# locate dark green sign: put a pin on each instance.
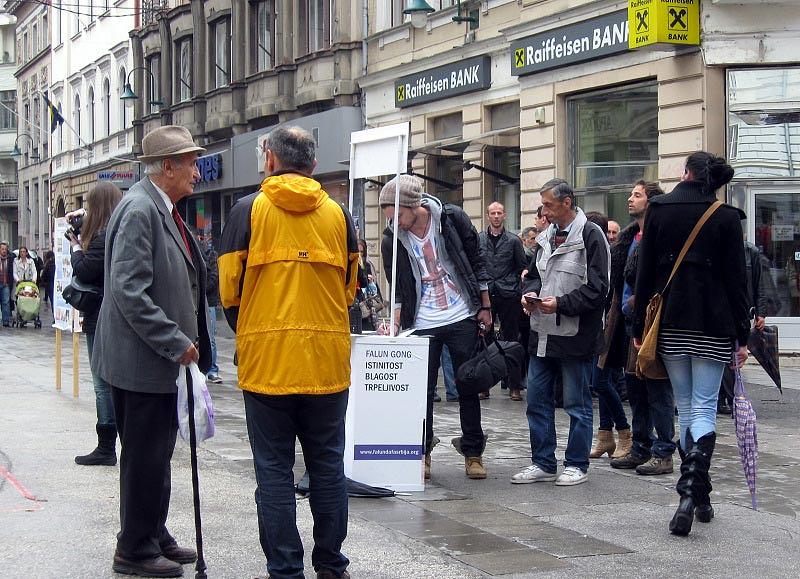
(579, 42)
(444, 81)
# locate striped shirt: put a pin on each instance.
(677, 342)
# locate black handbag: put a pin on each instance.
(83, 297)
(490, 364)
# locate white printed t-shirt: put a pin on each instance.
(441, 302)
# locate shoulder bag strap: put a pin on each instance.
(692, 236)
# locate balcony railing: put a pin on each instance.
(151, 9)
(9, 193)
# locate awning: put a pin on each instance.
(507, 139)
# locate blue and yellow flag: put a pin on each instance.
(55, 116)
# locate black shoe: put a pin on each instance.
(98, 457)
(452, 398)
(681, 523)
(723, 407)
(704, 513)
(182, 555)
(329, 574)
(436, 397)
(106, 452)
(629, 461)
(153, 567)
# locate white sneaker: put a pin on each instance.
(532, 474)
(572, 475)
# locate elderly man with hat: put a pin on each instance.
(152, 324)
(442, 292)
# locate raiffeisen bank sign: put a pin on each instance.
(579, 42)
(445, 81)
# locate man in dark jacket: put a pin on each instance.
(566, 289)
(212, 297)
(6, 282)
(442, 291)
(652, 401)
(505, 260)
(760, 304)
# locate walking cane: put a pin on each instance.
(200, 566)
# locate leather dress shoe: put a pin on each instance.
(182, 555)
(152, 567)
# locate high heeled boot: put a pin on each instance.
(703, 509)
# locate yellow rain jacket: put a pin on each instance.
(287, 276)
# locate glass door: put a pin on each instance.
(773, 226)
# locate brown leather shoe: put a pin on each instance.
(153, 567)
(515, 395)
(182, 555)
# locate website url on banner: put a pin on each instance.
(387, 452)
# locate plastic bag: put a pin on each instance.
(203, 408)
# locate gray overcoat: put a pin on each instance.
(154, 305)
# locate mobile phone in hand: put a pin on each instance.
(532, 299)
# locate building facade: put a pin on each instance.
(91, 61)
(230, 71)
(538, 89)
(32, 140)
(9, 193)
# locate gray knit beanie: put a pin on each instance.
(410, 192)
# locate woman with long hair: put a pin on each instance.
(88, 258)
(704, 317)
(24, 267)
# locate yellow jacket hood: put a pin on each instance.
(294, 193)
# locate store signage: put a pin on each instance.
(210, 168)
(663, 22)
(122, 179)
(587, 40)
(462, 77)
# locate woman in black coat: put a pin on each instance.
(704, 320)
(88, 258)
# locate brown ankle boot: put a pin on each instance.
(605, 444)
(625, 443)
(474, 467)
(427, 467)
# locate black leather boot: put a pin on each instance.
(106, 452)
(681, 523)
(704, 511)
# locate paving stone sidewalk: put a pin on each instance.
(614, 525)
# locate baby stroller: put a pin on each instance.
(28, 302)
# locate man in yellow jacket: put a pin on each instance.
(287, 272)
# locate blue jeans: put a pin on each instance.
(652, 409)
(609, 404)
(212, 331)
(542, 374)
(273, 425)
(696, 383)
(448, 373)
(5, 302)
(102, 392)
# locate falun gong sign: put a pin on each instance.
(663, 22)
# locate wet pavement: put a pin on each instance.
(614, 525)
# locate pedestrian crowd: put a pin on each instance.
(575, 288)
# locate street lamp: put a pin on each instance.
(419, 10)
(129, 95)
(472, 17)
(17, 153)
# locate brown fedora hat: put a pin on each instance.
(168, 141)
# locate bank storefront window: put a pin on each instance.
(613, 138)
(764, 150)
(448, 162)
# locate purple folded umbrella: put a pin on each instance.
(744, 418)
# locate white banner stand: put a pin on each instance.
(385, 426)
